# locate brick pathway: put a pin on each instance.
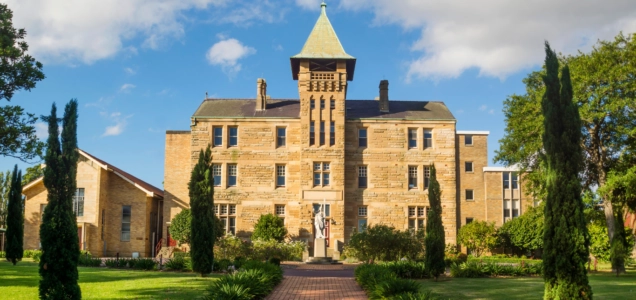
(318, 282)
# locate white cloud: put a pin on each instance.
(483, 107)
(118, 127)
(84, 31)
(126, 87)
(227, 53)
(41, 130)
(130, 71)
(492, 111)
(497, 37)
(309, 4)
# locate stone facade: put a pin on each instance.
(106, 191)
(374, 154)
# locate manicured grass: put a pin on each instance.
(605, 285)
(21, 282)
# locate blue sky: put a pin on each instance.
(141, 67)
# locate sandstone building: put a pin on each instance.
(116, 212)
(367, 160)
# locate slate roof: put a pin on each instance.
(356, 109)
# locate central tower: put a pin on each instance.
(323, 69)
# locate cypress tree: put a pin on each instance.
(434, 240)
(15, 219)
(201, 188)
(58, 232)
(566, 240)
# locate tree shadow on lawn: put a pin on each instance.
(605, 285)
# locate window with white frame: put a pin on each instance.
(362, 176)
(515, 180)
(126, 216)
(280, 210)
(321, 173)
(412, 138)
(318, 206)
(280, 175)
(281, 137)
(217, 173)
(428, 138)
(78, 202)
(511, 209)
(506, 180)
(227, 215)
(232, 174)
(412, 177)
(218, 136)
(417, 217)
(233, 136)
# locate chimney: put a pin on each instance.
(384, 96)
(261, 94)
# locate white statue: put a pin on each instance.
(319, 223)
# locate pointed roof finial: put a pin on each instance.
(323, 5)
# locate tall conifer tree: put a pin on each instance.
(202, 206)
(566, 240)
(58, 232)
(15, 219)
(434, 240)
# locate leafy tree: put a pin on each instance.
(58, 232)
(524, 233)
(5, 186)
(478, 236)
(181, 224)
(201, 188)
(269, 226)
(566, 240)
(604, 90)
(32, 174)
(15, 220)
(600, 246)
(18, 70)
(435, 240)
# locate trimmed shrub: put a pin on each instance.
(88, 261)
(269, 227)
(254, 280)
(380, 282)
(177, 263)
(36, 256)
(2, 254)
(407, 269)
(455, 258)
(142, 264)
(474, 269)
(221, 265)
(391, 287)
(29, 253)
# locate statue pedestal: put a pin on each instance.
(320, 248)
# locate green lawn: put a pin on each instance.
(21, 282)
(605, 285)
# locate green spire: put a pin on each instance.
(323, 41)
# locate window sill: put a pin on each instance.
(470, 200)
(466, 145)
(470, 172)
